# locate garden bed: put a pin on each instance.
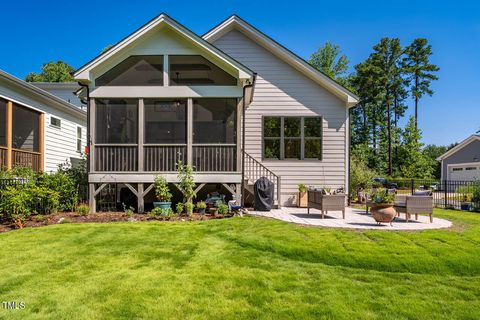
(35, 221)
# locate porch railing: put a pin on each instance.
(163, 158)
(3, 157)
(113, 158)
(22, 158)
(214, 158)
(254, 170)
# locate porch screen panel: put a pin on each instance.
(3, 123)
(165, 121)
(25, 129)
(196, 70)
(214, 121)
(134, 71)
(116, 121)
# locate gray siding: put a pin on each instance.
(466, 154)
(283, 91)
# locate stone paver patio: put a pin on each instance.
(354, 219)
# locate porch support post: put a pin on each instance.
(91, 143)
(141, 132)
(166, 78)
(239, 151)
(233, 192)
(238, 193)
(41, 131)
(9, 134)
(92, 203)
(189, 130)
(140, 199)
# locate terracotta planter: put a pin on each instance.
(383, 213)
(302, 199)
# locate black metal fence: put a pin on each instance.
(449, 194)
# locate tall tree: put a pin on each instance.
(421, 71)
(52, 72)
(330, 60)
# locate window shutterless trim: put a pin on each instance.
(59, 126)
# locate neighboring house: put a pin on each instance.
(462, 162)
(64, 90)
(37, 129)
(165, 94)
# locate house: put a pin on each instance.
(38, 129)
(64, 90)
(462, 162)
(233, 103)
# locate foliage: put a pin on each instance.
(129, 211)
(222, 209)
(189, 208)
(361, 176)
(302, 187)
(18, 172)
(64, 186)
(78, 173)
(179, 208)
(201, 205)
(164, 213)
(41, 199)
(162, 191)
(52, 72)
(330, 60)
(186, 184)
(383, 196)
(83, 209)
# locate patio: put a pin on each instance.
(354, 219)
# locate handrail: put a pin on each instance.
(254, 170)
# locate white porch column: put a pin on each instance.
(189, 130)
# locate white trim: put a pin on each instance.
(477, 164)
(167, 92)
(235, 22)
(23, 104)
(459, 146)
(83, 73)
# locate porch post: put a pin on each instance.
(92, 203)
(140, 199)
(9, 134)
(189, 130)
(41, 131)
(91, 150)
(141, 132)
(239, 150)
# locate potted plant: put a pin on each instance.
(201, 206)
(382, 208)
(302, 196)
(163, 194)
(223, 209)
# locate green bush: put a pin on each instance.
(41, 200)
(222, 209)
(83, 209)
(361, 177)
(64, 185)
(162, 191)
(163, 213)
(179, 208)
(189, 208)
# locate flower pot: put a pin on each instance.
(162, 205)
(383, 213)
(466, 206)
(201, 210)
(302, 199)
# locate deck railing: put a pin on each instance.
(115, 158)
(214, 158)
(3, 157)
(22, 158)
(163, 158)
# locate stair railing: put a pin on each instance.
(254, 170)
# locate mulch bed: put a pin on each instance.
(101, 217)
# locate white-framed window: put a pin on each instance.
(470, 168)
(457, 169)
(55, 122)
(79, 139)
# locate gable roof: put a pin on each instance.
(82, 72)
(235, 22)
(464, 143)
(47, 97)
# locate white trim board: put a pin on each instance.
(459, 146)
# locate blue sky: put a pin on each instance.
(75, 31)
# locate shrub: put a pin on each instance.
(14, 205)
(222, 209)
(64, 186)
(41, 200)
(189, 208)
(361, 177)
(83, 209)
(163, 213)
(162, 191)
(201, 205)
(78, 173)
(179, 208)
(156, 211)
(129, 211)
(186, 185)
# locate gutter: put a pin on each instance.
(88, 123)
(244, 107)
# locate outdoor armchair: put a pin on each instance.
(326, 202)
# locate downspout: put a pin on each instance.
(88, 123)
(244, 107)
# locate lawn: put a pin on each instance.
(241, 268)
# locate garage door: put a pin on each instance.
(463, 172)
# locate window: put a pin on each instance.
(3, 122)
(214, 121)
(55, 122)
(292, 138)
(79, 139)
(470, 168)
(165, 121)
(25, 129)
(457, 169)
(134, 71)
(196, 70)
(116, 121)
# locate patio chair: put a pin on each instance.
(416, 204)
(326, 202)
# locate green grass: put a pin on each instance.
(242, 268)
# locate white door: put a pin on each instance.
(463, 172)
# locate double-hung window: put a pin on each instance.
(288, 138)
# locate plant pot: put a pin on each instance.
(162, 205)
(383, 213)
(466, 206)
(201, 210)
(213, 211)
(302, 199)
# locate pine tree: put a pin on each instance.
(421, 71)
